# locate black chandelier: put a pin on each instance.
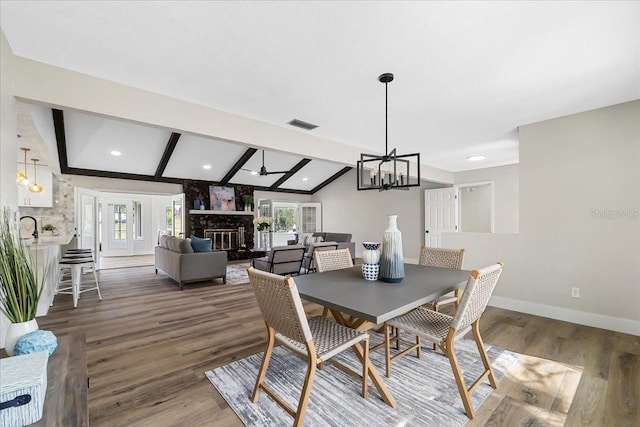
(390, 171)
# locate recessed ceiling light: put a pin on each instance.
(305, 179)
(116, 153)
(476, 158)
(254, 173)
(206, 167)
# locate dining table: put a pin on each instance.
(364, 304)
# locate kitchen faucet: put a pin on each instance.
(35, 225)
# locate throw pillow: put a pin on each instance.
(200, 245)
(185, 246)
(163, 241)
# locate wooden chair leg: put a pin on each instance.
(325, 312)
(387, 350)
(365, 369)
(265, 363)
(397, 334)
(475, 327)
(462, 388)
(306, 391)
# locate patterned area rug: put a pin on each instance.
(237, 274)
(424, 389)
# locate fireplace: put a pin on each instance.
(225, 238)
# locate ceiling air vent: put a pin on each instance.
(303, 125)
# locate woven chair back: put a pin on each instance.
(442, 257)
(332, 260)
(476, 296)
(280, 304)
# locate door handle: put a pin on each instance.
(426, 231)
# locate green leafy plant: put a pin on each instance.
(20, 288)
(247, 199)
(48, 227)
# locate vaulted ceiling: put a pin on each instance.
(467, 75)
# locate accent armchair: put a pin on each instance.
(281, 260)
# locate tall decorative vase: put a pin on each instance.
(17, 331)
(391, 258)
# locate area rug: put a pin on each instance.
(424, 389)
(237, 274)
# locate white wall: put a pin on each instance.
(364, 213)
(124, 185)
(8, 129)
(579, 222)
(505, 192)
(8, 144)
(474, 207)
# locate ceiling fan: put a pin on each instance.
(263, 169)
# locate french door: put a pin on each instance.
(117, 227)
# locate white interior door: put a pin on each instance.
(178, 215)
(87, 221)
(117, 227)
(439, 215)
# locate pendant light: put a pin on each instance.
(22, 177)
(34, 187)
(390, 171)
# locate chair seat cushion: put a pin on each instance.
(431, 325)
(262, 263)
(329, 338)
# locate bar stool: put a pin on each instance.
(75, 262)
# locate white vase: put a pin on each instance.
(17, 331)
(391, 258)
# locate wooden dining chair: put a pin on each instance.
(445, 330)
(332, 260)
(316, 340)
(443, 258)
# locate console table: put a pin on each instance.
(66, 401)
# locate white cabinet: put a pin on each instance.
(44, 178)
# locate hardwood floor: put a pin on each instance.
(149, 344)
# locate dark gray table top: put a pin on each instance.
(377, 301)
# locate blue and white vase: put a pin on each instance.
(391, 258)
(370, 259)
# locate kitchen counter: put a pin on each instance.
(48, 240)
(46, 252)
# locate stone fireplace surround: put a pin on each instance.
(197, 224)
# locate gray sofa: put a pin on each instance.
(176, 258)
(342, 239)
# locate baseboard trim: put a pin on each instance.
(617, 324)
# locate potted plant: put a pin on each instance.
(49, 228)
(247, 199)
(20, 286)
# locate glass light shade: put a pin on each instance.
(35, 188)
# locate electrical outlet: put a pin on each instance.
(575, 292)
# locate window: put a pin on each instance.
(119, 222)
(284, 218)
(168, 218)
(137, 220)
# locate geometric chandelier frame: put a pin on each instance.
(389, 171)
